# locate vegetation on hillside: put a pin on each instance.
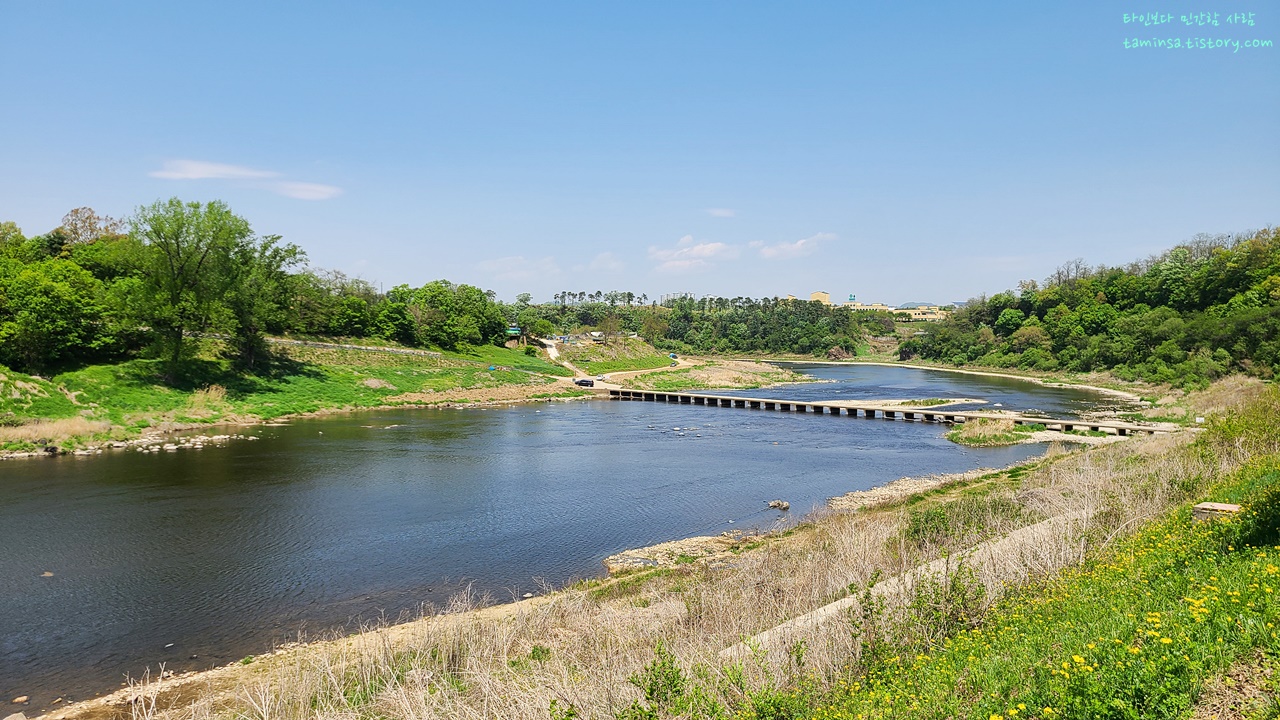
(616, 355)
(101, 290)
(118, 400)
(1202, 310)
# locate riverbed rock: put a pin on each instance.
(16, 716)
(780, 504)
(20, 699)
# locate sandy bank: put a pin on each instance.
(1133, 397)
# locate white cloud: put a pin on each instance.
(200, 170)
(690, 255)
(721, 212)
(518, 267)
(304, 190)
(799, 248)
(605, 262)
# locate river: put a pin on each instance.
(197, 558)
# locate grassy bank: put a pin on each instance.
(991, 432)
(121, 400)
(716, 374)
(617, 355)
(1094, 543)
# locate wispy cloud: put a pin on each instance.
(721, 212)
(788, 250)
(253, 177)
(304, 190)
(689, 255)
(518, 267)
(201, 170)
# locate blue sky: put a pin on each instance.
(904, 151)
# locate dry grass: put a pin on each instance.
(53, 432)
(1225, 396)
(579, 647)
(1247, 690)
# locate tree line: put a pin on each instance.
(99, 289)
(1199, 311)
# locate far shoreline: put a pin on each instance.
(1133, 397)
(173, 431)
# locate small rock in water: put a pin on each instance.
(20, 699)
(166, 647)
(46, 573)
(526, 596)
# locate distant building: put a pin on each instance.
(669, 298)
(820, 296)
(928, 313)
(869, 307)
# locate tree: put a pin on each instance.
(83, 226)
(653, 328)
(51, 313)
(188, 268)
(258, 293)
(609, 325)
(1009, 321)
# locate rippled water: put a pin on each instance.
(220, 552)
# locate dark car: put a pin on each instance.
(585, 382)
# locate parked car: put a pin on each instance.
(585, 382)
(600, 378)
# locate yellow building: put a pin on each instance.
(880, 307)
(927, 312)
(820, 296)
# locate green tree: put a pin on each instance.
(1009, 321)
(51, 313)
(259, 293)
(188, 267)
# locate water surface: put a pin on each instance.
(218, 553)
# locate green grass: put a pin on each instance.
(618, 355)
(985, 432)
(595, 367)
(516, 359)
(23, 396)
(1134, 632)
(132, 395)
